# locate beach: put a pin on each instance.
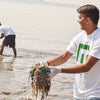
(43, 28)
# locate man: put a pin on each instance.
(9, 40)
(87, 46)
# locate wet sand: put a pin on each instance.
(14, 73)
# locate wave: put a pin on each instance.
(43, 2)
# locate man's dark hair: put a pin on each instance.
(90, 11)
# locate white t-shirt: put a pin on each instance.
(6, 30)
(86, 84)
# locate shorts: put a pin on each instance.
(9, 41)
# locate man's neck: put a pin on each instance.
(91, 30)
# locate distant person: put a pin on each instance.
(9, 40)
(87, 47)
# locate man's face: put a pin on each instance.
(82, 20)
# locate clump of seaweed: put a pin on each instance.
(41, 81)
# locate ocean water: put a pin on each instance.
(14, 73)
(43, 31)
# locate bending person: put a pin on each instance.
(9, 40)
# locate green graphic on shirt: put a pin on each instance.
(82, 46)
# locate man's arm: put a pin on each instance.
(60, 59)
(2, 35)
(91, 61)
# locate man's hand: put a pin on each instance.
(54, 71)
(2, 35)
(44, 63)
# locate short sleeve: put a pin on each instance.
(1, 30)
(95, 51)
(72, 47)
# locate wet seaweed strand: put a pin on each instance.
(40, 81)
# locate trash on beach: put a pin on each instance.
(41, 81)
(6, 92)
